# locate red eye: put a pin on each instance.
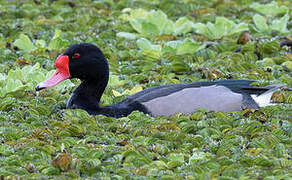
(76, 55)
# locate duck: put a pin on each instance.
(87, 62)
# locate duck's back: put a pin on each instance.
(224, 95)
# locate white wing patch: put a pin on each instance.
(265, 99)
(215, 98)
(262, 100)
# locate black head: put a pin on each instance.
(84, 61)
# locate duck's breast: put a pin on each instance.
(216, 98)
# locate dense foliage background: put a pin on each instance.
(147, 43)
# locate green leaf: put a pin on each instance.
(159, 164)
(137, 13)
(222, 27)
(188, 47)
(213, 165)
(280, 24)
(15, 74)
(201, 28)
(288, 65)
(183, 25)
(51, 171)
(114, 81)
(6, 173)
(179, 66)
(144, 44)
(137, 24)
(241, 27)
(159, 19)
(176, 157)
(57, 42)
(6, 150)
(197, 156)
(151, 23)
(127, 35)
(173, 164)
(271, 9)
(260, 22)
(13, 85)
(2, 79)
(167, 28)
(5, 103)
(150, 29)
(57, 33)
(93, 162)
(24, 43)
(40, 43)
(171, 46)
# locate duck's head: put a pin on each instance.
(83, 61)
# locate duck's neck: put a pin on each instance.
(87, 95)
(92, 89)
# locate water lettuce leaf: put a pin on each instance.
(189, 46)
(20, 80)
(127, 35)
(179, 47)
(134, 90)
(197, 156)
(222, 27)
(271, 9)
(183, 25)
(280, 25)
(24, 43)
(156, 22)
(57, 42)
(262, 24)
(146, 45)
(148, 49)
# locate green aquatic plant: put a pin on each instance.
(25, 44)
(266, 26)
(153, 23)
(177, 47)
(272, 9)
(147, 43)
(222, 27)
(23, 79)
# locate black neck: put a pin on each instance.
(92, 89)
(87, 95)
